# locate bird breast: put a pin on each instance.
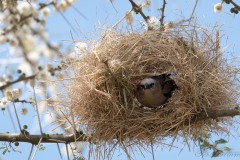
(151, 97)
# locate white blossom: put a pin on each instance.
(59, 76)
(81, 48)
(153, 23)
(72, 1)
(49, 118)
(147, 4)
(32, 83)
(45, 12)
(218, 7)
(29, 43)
(4, 101)
(26, 68)
(3, 39)
(13, 41)
(2, 81)
(4, 15)
(169, 26)
(8, 95)
(24, 8)
(34, 56)
(24, 111)
(64, 5)
(16, 93)
(2, 106)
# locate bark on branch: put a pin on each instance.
(216, 114)
(34, 139)
(21, 78)
(235, 4)
(60, 138)
(162, 16)
(138, 9)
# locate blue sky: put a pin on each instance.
(98, 13)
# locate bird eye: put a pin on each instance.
(152, 85)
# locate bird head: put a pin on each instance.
(156, 90)
(148, 83)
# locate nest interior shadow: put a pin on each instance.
(103, 93)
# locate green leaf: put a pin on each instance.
(216, 153)
(220, 141)
(227, 149)
(5, 151)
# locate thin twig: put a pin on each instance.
(74, 127)
(81, 14)
(138, 9)
(116, 24)
(30, 152)
(22, 101)
(15, 110)
(68, 22)
(126, 151)
(194, 8)
(201, 150)
(235, 4)
(152, 150)
(38, 115)
(67, 151)
(59, 151)
(111, 1)
(65, 116)
(11, 118)
(162, 16)
(37, 148)
(21, 78)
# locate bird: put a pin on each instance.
(156, 90)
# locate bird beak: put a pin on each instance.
(143, 86)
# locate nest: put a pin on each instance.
(102, 94)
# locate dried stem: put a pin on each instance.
(194, 8)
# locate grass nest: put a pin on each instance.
(102, 92)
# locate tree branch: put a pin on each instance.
(162, 16)
(216, 114)
(22, 101)
(138, 9)
(24, 18)
(34, 139)
(21, 78)
(235, 4)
